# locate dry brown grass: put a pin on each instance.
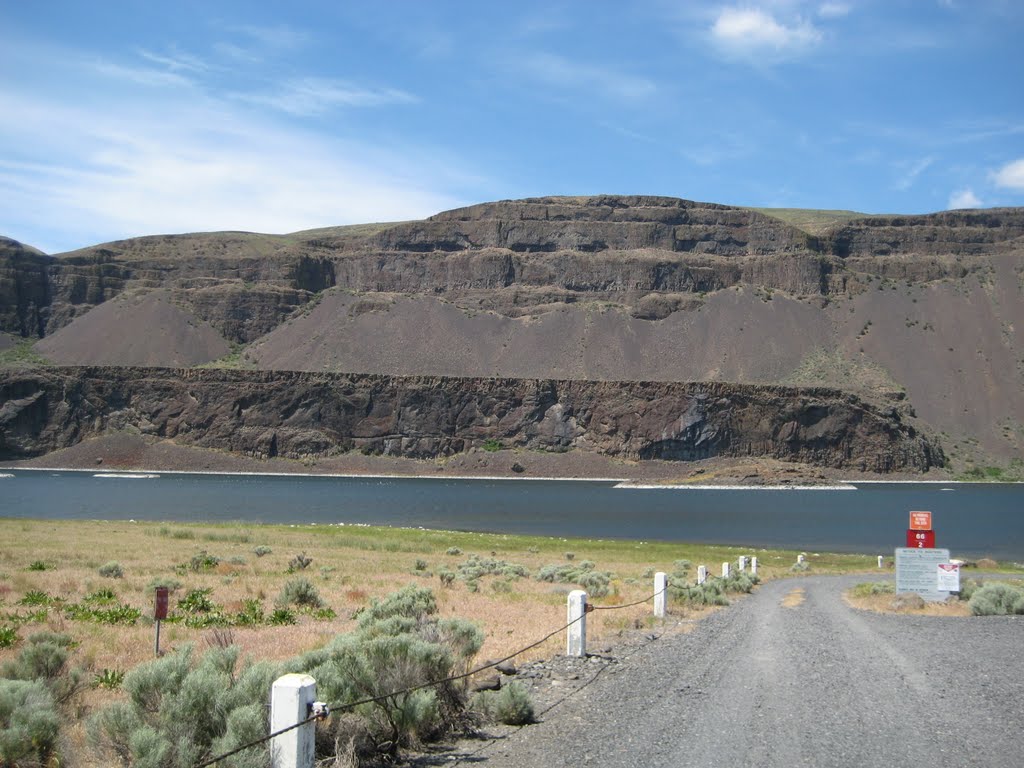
(884, 604)
(350, 567)
(794, 598)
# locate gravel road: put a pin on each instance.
(765, 684)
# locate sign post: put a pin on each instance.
(159, 613)
(917, 571)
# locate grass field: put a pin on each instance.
(51, 578)
(349, 566)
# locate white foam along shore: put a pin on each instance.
(695, 487)
(345, 475)
(128, 475)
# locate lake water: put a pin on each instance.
(972, 520)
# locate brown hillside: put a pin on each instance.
(135, 330)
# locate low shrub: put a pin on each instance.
(870, 588)
(44, 659)
(36, 597)
(399, 643)
(203, 561)
(997, 599)
(800, 567)
(29, 724)
(111, 570)
(180, 711)
(476, 567)
(454, 551)
(262, 550)
(300, 592)
(8, 637)
(596, 583)
(711, 592)
(511, 705)
(299, 563)
(110, 679)
(38, 565)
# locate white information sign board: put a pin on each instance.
(917, 571)
(948, 577)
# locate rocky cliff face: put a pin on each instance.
(604, 248)
(302, 415)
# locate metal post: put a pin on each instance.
(576, 642)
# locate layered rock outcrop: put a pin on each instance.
(301, 415)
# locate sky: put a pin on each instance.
(124, 118)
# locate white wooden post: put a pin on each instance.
(725, 570)
(742, 563)
(880, 561)
(660, 587)
(576, 643)
(702, 574)
(290, 699)
(799, 558)
(753, 566)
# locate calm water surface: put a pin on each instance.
(970, 519)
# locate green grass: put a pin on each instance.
(22, 354)
(810, 220)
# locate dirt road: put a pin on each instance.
(793, 676)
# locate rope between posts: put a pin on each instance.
(374, 699)
(421, 686)
(630, 605)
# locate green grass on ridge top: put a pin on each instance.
(810, 220)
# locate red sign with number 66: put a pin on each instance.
(920, 539)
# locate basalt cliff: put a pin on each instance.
(910, 321)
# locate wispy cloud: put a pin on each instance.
(147, 76)
(753, 33)
(560, 72)
(963, 198)
(314, 96)
(177, 163)
(910, 173)
(175, 61)
(279, 36)
(1010, 176)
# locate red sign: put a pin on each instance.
(921, 539)
(160, 611)
(920, 521)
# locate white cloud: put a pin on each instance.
(86, 173)
(963, 198)
(754, 33)
(1011, 176)
(314, 96)
(561, 72)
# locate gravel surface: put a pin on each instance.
(765, 684)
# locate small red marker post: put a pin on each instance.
(159, 613)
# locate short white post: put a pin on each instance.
(290, 699)
(880, 561)
(799, 558)
(725, 570)
(702, 574)
(753, 566)
(742, 563)
(660, 588)
(576, 643)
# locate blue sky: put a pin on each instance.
(123, 118)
